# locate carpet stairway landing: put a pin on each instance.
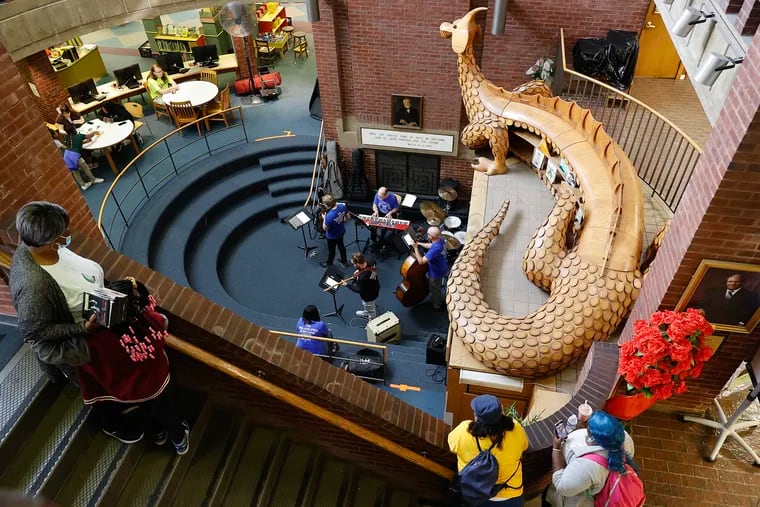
(51, 448)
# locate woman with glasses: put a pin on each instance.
(159, 84)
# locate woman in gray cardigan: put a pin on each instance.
(46, 280)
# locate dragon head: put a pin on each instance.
(463, 31)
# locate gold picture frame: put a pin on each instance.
(708, 291)
(406, 115)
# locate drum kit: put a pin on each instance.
(436, 217)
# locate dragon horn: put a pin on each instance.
(468, 17)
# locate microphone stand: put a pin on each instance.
(356, 240)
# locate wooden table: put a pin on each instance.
(279, 44)
(227, 63)
(198, 93)
(110, 134)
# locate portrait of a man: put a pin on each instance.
(407, 111)
(728, 294)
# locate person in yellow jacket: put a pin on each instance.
(491, 426)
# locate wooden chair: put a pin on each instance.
(266, 54)
(136, 110)
(209, 75)
(184, 113)
(288, 31)
(300, 46)
(158, 108)
(216, 108)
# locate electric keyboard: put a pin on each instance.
(385, 223)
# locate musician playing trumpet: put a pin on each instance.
(335, 217)
(435, 260)
(366, 283)
(385, 204)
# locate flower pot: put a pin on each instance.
(628, 406)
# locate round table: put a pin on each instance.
(110, 135)
(197, 92)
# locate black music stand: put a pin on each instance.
(358, 222)
(328, 283)
(297, 221)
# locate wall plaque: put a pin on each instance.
(442, 144)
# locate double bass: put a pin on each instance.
(414, 288)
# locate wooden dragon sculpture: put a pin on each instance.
(593, 286)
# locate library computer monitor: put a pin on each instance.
(130, 76)
(170, 62)
(83, 92)
(205, 54)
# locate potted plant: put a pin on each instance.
(543, 69)
(665, 351)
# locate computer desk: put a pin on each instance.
(227, 63)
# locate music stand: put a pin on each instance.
(356, 240)
(297, 221)
(329, 283)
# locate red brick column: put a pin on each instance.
(242, 71)
(729, 6)
(37, 69)
(748, 18)
(718, 218)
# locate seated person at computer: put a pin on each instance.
(159, 84)
(385, 204)
(114, 111)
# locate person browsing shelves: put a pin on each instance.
(335, 216)
(159, 84)
(435, 260)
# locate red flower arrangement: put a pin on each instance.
(664, 352)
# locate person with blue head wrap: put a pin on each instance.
(575, 481)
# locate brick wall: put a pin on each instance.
(368, 50)
(240, 54)
(718, 218)
(730, 6)
(37, 69)
(748, 18)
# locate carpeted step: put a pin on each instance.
(163, 202)
(208, 463)
(271, 161)
(291, 185)
(194, 217)
(21, 383)
(42, 440)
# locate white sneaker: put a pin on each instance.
(86, 186)
(362, 314)
(98, 180)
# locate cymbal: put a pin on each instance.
(447, 193)
(452, 243)
(433, 221)
(432, 210)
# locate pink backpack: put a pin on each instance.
(619, 490)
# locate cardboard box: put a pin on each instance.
(384, 328)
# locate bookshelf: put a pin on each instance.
(176, 44)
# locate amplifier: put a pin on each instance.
(436, 350)
(384, 328)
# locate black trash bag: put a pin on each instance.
(590, 57)
(623, 50)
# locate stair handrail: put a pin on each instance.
(670, 198)
(339, 341)
(317, 157)
(307, 406)
(109, 193)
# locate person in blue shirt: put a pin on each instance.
(386, 204)
(435, 260)
(334, 226)
(311, 324)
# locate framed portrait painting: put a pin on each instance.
(728, 293)
(406, 111)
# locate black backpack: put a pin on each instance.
(476, 482)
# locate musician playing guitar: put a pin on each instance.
(385, 204)
(335, 216)
(435, 260)
(366, 284)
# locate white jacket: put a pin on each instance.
(581, 479)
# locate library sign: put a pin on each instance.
(422, 142)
